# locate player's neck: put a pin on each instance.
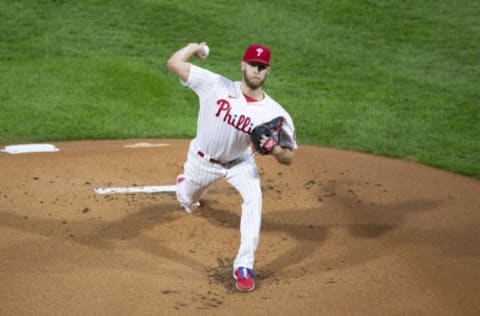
(252, 95)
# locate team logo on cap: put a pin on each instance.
(257, 53)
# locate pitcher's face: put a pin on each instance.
(254, 74)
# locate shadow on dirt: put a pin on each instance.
(310, 229)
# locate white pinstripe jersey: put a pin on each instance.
(226, 119)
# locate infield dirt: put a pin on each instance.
(343, 233)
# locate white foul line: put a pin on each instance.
(139, 189)
(145, 145)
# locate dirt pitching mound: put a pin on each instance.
(343, 234)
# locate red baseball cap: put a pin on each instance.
(257, 53)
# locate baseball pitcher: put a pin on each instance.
(235, 119)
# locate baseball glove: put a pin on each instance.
(272, 130)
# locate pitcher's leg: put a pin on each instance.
(194, 183)
(246, 180)
(186, 192)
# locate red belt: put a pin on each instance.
(225, 164)
(201, 154)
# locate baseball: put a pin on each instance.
(205, 51)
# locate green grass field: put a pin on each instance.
(395, 78)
